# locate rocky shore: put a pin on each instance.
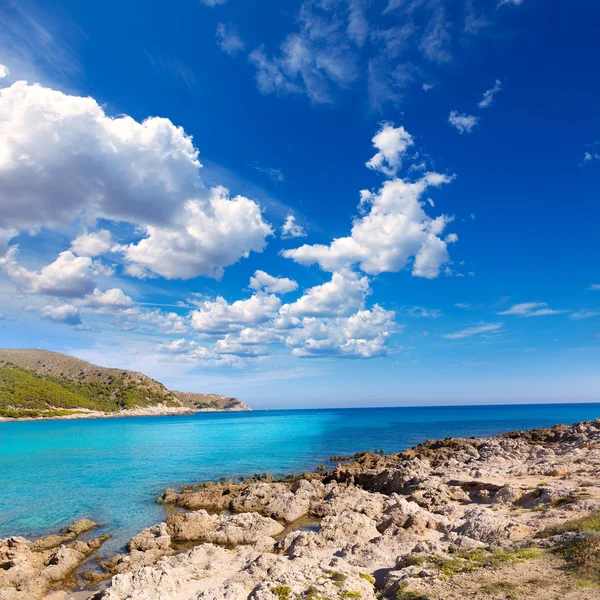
(147, 411)
(512, 517)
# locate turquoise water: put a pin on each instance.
(112, 470)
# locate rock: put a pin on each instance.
(506, 495)
(67, 534)
(279, 501)
(153, 538)
(348, 526)
(244, 528)
(351, 498)
(30, 568)
(483, 525)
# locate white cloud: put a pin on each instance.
(464, 123)
(92, 244)
(291, 229)
(320, 57)
(341, 296)
(169, 323)
(230, 345)
(272, 285)
(69, 276)
(488, 96)
(531, 309)
(207, 238)
(4, 71)
(61, 156)
(229, 40)
(218, 316)
(362, 335)
(190, 351)
(421, 311)
(464, 305)
(583, 314)
(594, 286)
(437, 39)
(67, 314)
(427, 86)
(391, 143)
(273, 174)
(111, 299)
(513, 2)
(590, 157)
(482, 328)
(395, 230)
(213, 3)
(5, 236)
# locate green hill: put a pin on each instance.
(39, 383)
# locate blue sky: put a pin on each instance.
(307, 203)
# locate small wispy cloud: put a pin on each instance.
(213, 3)
(513, 2)
(531, 309)
(229, 40)
(273, 174)
(583, 314)
(464, 123)
(421, 311)
(463, 305)
(174, 69)
(594, 286)
(479, 329)
(591, 155)
(488, 96)
(4, 71)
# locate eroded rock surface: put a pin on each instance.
(29, 569)
(378, 526)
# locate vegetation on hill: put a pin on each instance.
(209, 401)
(25, 393)
(39, 383)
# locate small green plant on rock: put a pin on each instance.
(465, 562)
(350, 594)
(282, 592)
(337, 577)
(508, 589)
(403, 594)
(412, 560)
(582, 554)
(368, 577)
(312, 593)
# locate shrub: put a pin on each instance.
(282, 592)
(582, 553)
(403, 594)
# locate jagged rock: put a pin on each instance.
(244, 528)
(351, 498)
(507, 495)
(67, 534)
(483, 525)
(349, 525)
(30, 568)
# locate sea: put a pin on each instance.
(113, 470)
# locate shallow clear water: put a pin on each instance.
(112, 470)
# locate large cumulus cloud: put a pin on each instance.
(62, 156)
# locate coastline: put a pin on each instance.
(446, 519)
(151, 411)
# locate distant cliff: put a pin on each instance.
(42, 384)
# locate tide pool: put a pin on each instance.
(112, 470)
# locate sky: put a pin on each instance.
(308, 203)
